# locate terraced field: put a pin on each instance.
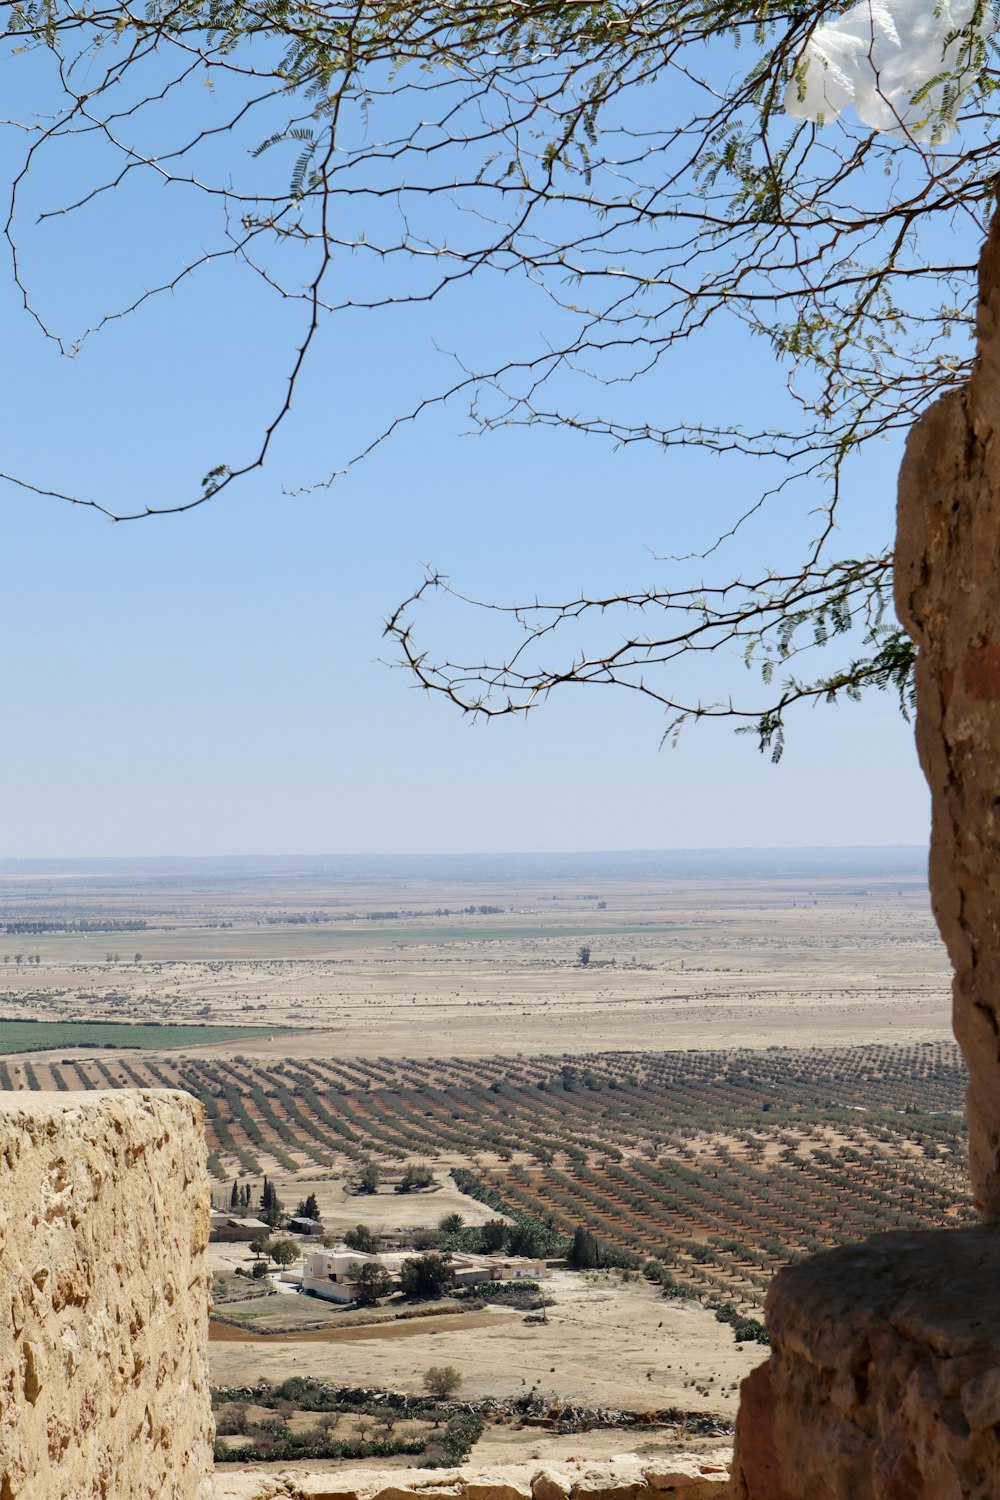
(717, 1165)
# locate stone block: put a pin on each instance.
(497, 1484)
(409, 1487)
(550, 1483)
(618, 1479)
(756, 1469)
(322, 1487)
(947, 588)
(104, 1293)
(884, 1377)
(687, 1475)
(341, 1484)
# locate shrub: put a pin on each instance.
(462, 1431)
(372, 1282)
(415, 1176)
(425, 1275)
(362, 1238)
(283, 1252)
(369, 1178)
(492, 1236)
(746, 1330)
(441, 1381)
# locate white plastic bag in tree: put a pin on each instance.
(880, 55)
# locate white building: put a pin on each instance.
(516, 1268)
(332, 1274)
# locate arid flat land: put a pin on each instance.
(371, 968)
(747, 1066)
(607, 1343)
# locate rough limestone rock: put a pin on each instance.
(550, 1483)
(494, 1486)
(948, 597)
(625, 1477)
(104, 1297)
(686, 1474)
(884, 1376)
(756, 1464)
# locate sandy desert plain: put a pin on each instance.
(779, 1026)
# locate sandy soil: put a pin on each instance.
(606, 1343)
(675, 964)
(387, 1210)
(507, 1443)
(223, 1333)
(503, 1444)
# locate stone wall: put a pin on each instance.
(104, 1297)
(685, 1476)
(884, 1379)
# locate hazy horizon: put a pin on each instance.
(738, 860)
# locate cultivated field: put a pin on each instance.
(421, 967)
(719, 1165)
(744, 1070)
(43, 1036)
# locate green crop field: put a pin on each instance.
(40, 1036)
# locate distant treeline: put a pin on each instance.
(299, 919)
(292, 919)
(54, 924)
(442, 911)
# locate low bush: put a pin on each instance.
(745, 1330)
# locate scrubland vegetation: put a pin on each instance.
(306, 1419)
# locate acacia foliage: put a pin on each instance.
(441, 1380)
(628, 171)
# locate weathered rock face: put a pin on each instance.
(104, 1298)
(884, 1380)
(684, 1475)
(884, 1376)
(757, 1464)
(948, 597)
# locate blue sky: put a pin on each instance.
(212, 683)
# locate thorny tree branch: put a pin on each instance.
(631, 167)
